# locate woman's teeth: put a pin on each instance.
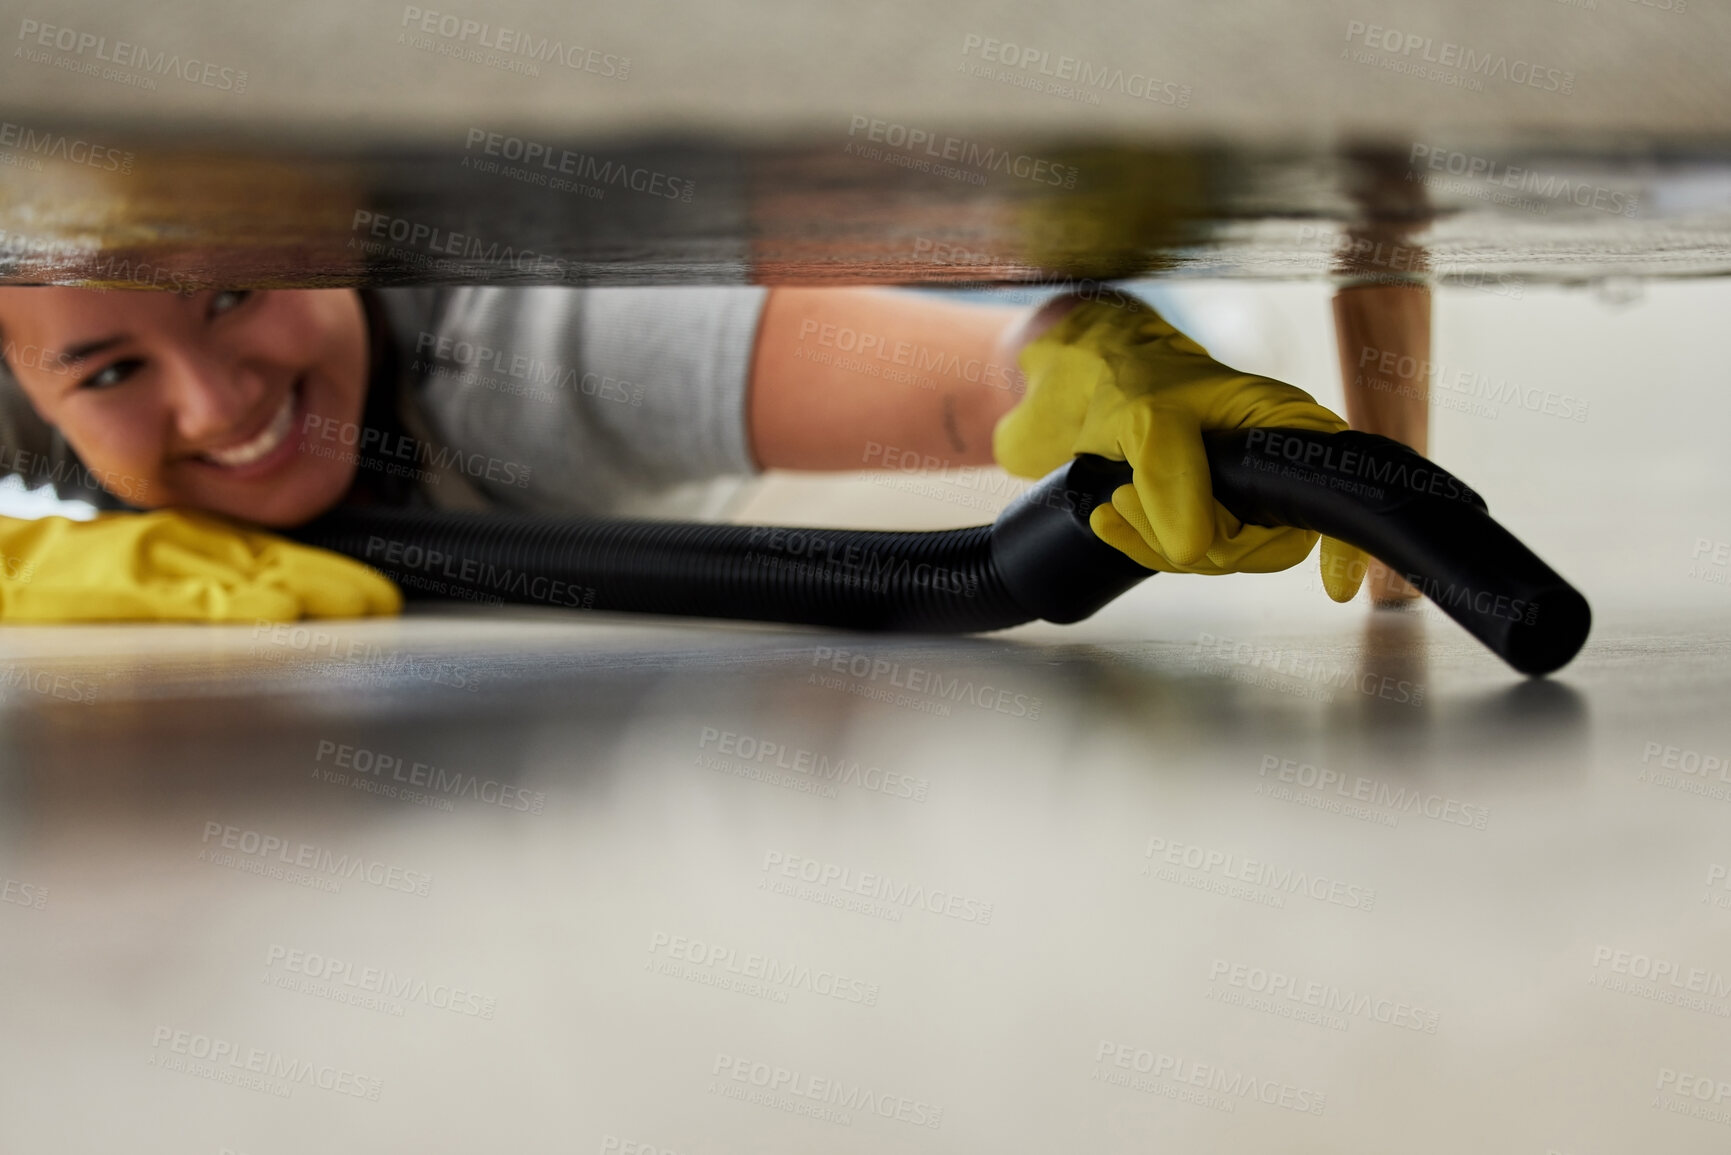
(250, 451)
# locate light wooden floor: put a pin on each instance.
(979, 876)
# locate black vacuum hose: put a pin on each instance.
(1039, 559)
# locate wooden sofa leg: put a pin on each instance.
(1384, 333)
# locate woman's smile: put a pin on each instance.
(265, 450)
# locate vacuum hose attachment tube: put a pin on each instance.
(1421, 521)
(1040, 559)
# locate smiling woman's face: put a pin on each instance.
(203, 398)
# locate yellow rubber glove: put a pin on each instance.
(176, 565)
(1115, 379)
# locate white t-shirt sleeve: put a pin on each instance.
(596, 397)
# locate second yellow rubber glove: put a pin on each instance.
(1115, 379)
(176, 565)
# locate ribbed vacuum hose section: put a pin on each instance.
(939, 582)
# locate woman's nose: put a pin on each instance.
(216, 398)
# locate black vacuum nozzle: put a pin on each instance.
(1420, 520)
(1417, 518)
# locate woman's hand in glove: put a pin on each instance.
(176, 565)
(1113, 378)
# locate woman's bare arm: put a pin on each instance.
(846, 379)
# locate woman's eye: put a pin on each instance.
(112, 374)
(228, 299)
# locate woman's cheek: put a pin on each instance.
(123, 450)
(311, 327)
